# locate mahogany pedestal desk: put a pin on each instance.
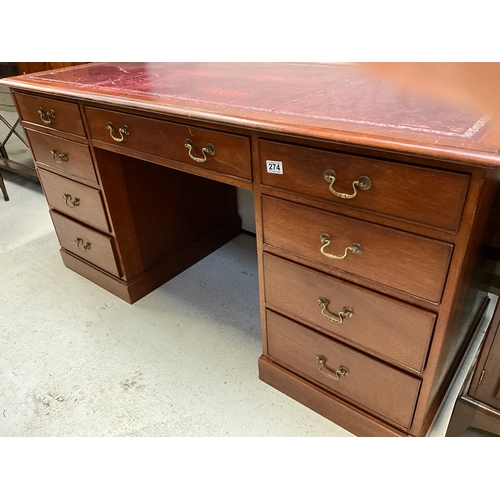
(371, 205)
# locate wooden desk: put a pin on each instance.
(371, 205)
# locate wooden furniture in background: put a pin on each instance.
(35, 67)
(478, 406)
(11, 131)
(371, 206)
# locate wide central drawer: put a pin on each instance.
(388, 327)
(426, 196)
(68, 157)
(231, 152)
(407, 262)
(75, 199)
(86, 243)
(362, 380)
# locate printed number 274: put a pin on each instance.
(274, 167)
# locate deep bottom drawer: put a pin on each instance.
(94, 247)
(372, 384)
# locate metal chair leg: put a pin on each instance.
(12, 130)
(3, 188)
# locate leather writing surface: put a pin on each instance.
(340, 97)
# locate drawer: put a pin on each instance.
(74, 199)
(403, 261)
(426, 196)
(51, 113)
(167, 140)
(367, 382)
(385, 326)
(86, 243)
(67, 156)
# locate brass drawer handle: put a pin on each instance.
(326, 239)
(71, 202)
(58, 157)
(208, 149)
(48, 116)
(347, 312)
(83, 246)
(122, 131)
(341, 372)
(362, 183)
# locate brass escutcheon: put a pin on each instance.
(122, 131)
(81, 245)
(71, 202)
(208, 149)
(362, 183)
(347, 312)
(336, 375)
(326, 239)
(47, 116)
(58, 157)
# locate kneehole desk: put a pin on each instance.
(371, 205)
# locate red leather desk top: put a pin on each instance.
(328, 101)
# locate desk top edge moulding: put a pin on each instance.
(372, 204)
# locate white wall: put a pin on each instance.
(246, 209)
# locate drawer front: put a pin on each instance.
(385, 326)
(367, 382)
(403, 261)
(426, 196)
(86, 243)
(167, 140)
(74, 199)
(67, 156)
(51, 113)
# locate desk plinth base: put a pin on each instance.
(133, 290)
(322, 402)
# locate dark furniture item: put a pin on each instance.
(371, 206)
(12, 126)
(478, 406)
(6, 162)
(3, 188)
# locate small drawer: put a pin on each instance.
(67, 156)
(231, 153)
(86, 243)
(74, 199)
(51, 113)
(357, 378)
(430, 197)
(384, 326)
(403, 261)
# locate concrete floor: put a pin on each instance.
(77, 361)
